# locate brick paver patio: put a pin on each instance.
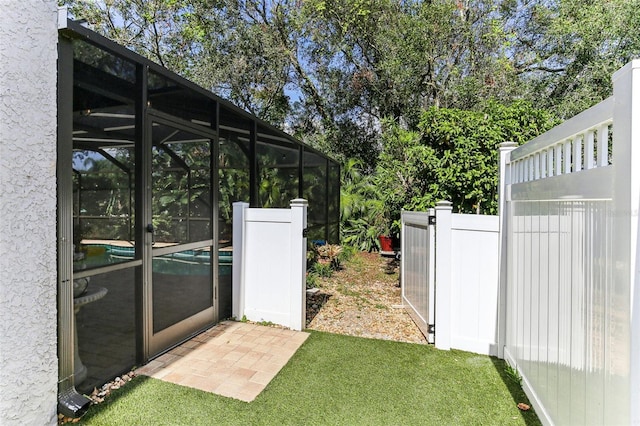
(232, 359)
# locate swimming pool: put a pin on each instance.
(188, 262)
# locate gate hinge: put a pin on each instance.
(432, 220)
(431, 328)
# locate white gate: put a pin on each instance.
(450, 280)
(269, 264)
(418, 269)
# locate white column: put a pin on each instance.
(504, 217)
(237, 295)
(298, 263)
(625, 290)
(443, 275)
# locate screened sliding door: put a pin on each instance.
(179, 265)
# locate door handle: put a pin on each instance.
(150, 230)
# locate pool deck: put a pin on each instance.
(232, 359)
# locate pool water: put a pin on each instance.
(188, 262)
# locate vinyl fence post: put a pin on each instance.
(403, 233)
(443, 275)
(237, 295)
(626, 279)
(503, 240)
(431, 277)
(298, 263)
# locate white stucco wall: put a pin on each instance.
(28, 358)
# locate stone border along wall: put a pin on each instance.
(28, 317)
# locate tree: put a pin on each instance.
(330, 71)
(377, 59)
(453, 156)
(327, 70)
(399, 87)
(565, 51)
(214, 43)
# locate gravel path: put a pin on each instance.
(363, 299)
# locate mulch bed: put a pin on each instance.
(363, 299)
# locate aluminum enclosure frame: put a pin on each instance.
(71, 403)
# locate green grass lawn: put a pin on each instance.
(339, 380)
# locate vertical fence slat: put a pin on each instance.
(520, 166)
(589, 150)
(567, 157)
(558, 159)
(531, 165)
(577, 153)
(603, 145)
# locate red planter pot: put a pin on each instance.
(386, 243)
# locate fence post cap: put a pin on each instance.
(299, 202)
(508, 145)
(444, 204)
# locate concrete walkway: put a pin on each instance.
(232, 359)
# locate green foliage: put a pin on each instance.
(323, 270)
(277, 187)
(512, 374)
(565, 51)
(396, 90)
(330, 254)
(322, 260)
(362, 208)
(454, 156)
(104, 210)
(347, 254)
(312, 280)
(312, 255)
(331, 71)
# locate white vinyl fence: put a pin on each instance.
(270, 263)
(449, 273)
(569, 215)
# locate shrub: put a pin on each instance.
(362, 209)
(453, 155)
(323, 270)
(312, 280)
(330, 253)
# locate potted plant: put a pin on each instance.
(386, 242)
(389, 237)
(380, 222)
